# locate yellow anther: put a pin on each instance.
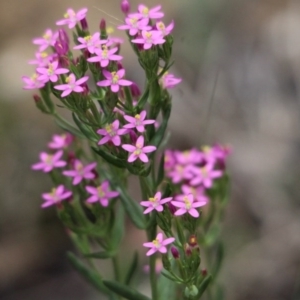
(187, 202)
(137, 116)
(44, 54)
(88, 38)
(145, 11)
(110, 30)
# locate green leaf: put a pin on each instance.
(203, 285)
(45, 93)
(167, 288)
(212, 235)
(132, 268)
(100, 255)
(84, 129)
(91, 276)
(161, 170)
(68, 127)
(142, 101)
(124, 291)
(219, 259)
(117, 232)
(111, 159)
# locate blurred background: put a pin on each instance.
(240, 64)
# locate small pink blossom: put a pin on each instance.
(169, 81)
(138, 121)
(32, 82)
(112, 133)
(155, 203)
(49, 162)
(48, 39)
(71, 17)
(187, 204)
(165, 30)
(180, 172)
(42, 59)
(134, 25)
(146, 13)
(72, 85)
(50, 73)
(56, 196)
(60, 141)
(81, 172)
(159, 244)
(101, 194)
(114, 80)
(104, 56)
(138, 151)
(91, 43)
(149, 38)
(197, 192)
(205, 175)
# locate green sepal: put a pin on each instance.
(68, 127)
(203, 285)
(161, 170)
(100, 254)
(132, 268)
(91, 276)
(124, 291)
(84, 129)
(111, 159)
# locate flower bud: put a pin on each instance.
(175, 252)
(204, 272)
(125, 6)
(133, 136)
(193, 241)
(37, 98)
(172, 208)
(135, 91)
(188, 250)
(191, 291)
(102, 26)
(84, 24)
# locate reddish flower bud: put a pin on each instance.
(204, 272)
(135, 91)
(133, 136)
(175, 252)
(125, 6)
(193, 240)
(102, 25)
(188, 250)
(84, 24)
(37, 98)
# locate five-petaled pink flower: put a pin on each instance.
(197, 192)
(72, 85)
(187, 204)
(32, 82)
(104, 55)
(155, 203)
(138, 121)
(101, 193)
(114, 80)
(42, 59)
(56, 196)
(51, 72)
(159, 244)
(149, 38)
(49, 162)
(48, 39)
(81, 172)
(165, 30)
(169, 81)
(60, 141)
(146, 13)
(111, 132)
(134, 25)
(71, 17)
(205, 175)
(138, 151)
(90, 42)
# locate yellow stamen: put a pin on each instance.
(137, 116)
(187, 202)
(100, 191)
(110, 30)
(145, 11)
(44, 54)
(115, 77)
(88, 38)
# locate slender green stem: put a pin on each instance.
(116, 268)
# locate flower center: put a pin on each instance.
(115, 77)
(69, 15)
(110, 130)
(187, 202)
(204, 172)
(44, 54)
(161, 26)
(206, 149)
(48, 160)
(156, 243)
(54, 196)
(110, 30)
(50, 69)
(46, 36)
(133, 21)
(101, 193)
(148, 37)
(145, 11)
(104, 53)
(34, 77)
(68, 79)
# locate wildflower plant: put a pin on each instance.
(183, 193)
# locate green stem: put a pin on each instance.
(116, 267)
(153, 276)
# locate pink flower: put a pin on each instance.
(81, 172)
(188, 157)
(146, 13)
(159, 244)
(134, 25)
(160, 26)
(114, 80)
(138, 121)
(104, 56)
(71, 18)
(56, 196)
(90, 42)
(60, 141)
(72, 85)
(138, 151)
(187, 204)
(111, 132)
(32, 82)
(48, 39)
(205, 175)
(155, 203)
(51, 72)
(169, 81)
(101, 193)
(180, 172)
(49, 162)
(197, 192)
(149, 38)
(43, 59)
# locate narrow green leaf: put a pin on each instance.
(142, 101)
(117, 232)
(100, 255)
(161, 170)
(91, 276)
(124, 291)
(132, 268)
(203, 285)
(68, 127)
(212, 234)
(110, 158)
(84, 129)
(219, 259)
(167, 288)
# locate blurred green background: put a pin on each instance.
(248, 50)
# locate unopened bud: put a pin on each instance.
(204, 272)
(191, 291)
(188, 250)
(193, 240)
(175, 252)
(172, 208)
(84, 24)
(135, 91)
(102, 25)
(37, 98)
(133, 136)
(125, 6)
